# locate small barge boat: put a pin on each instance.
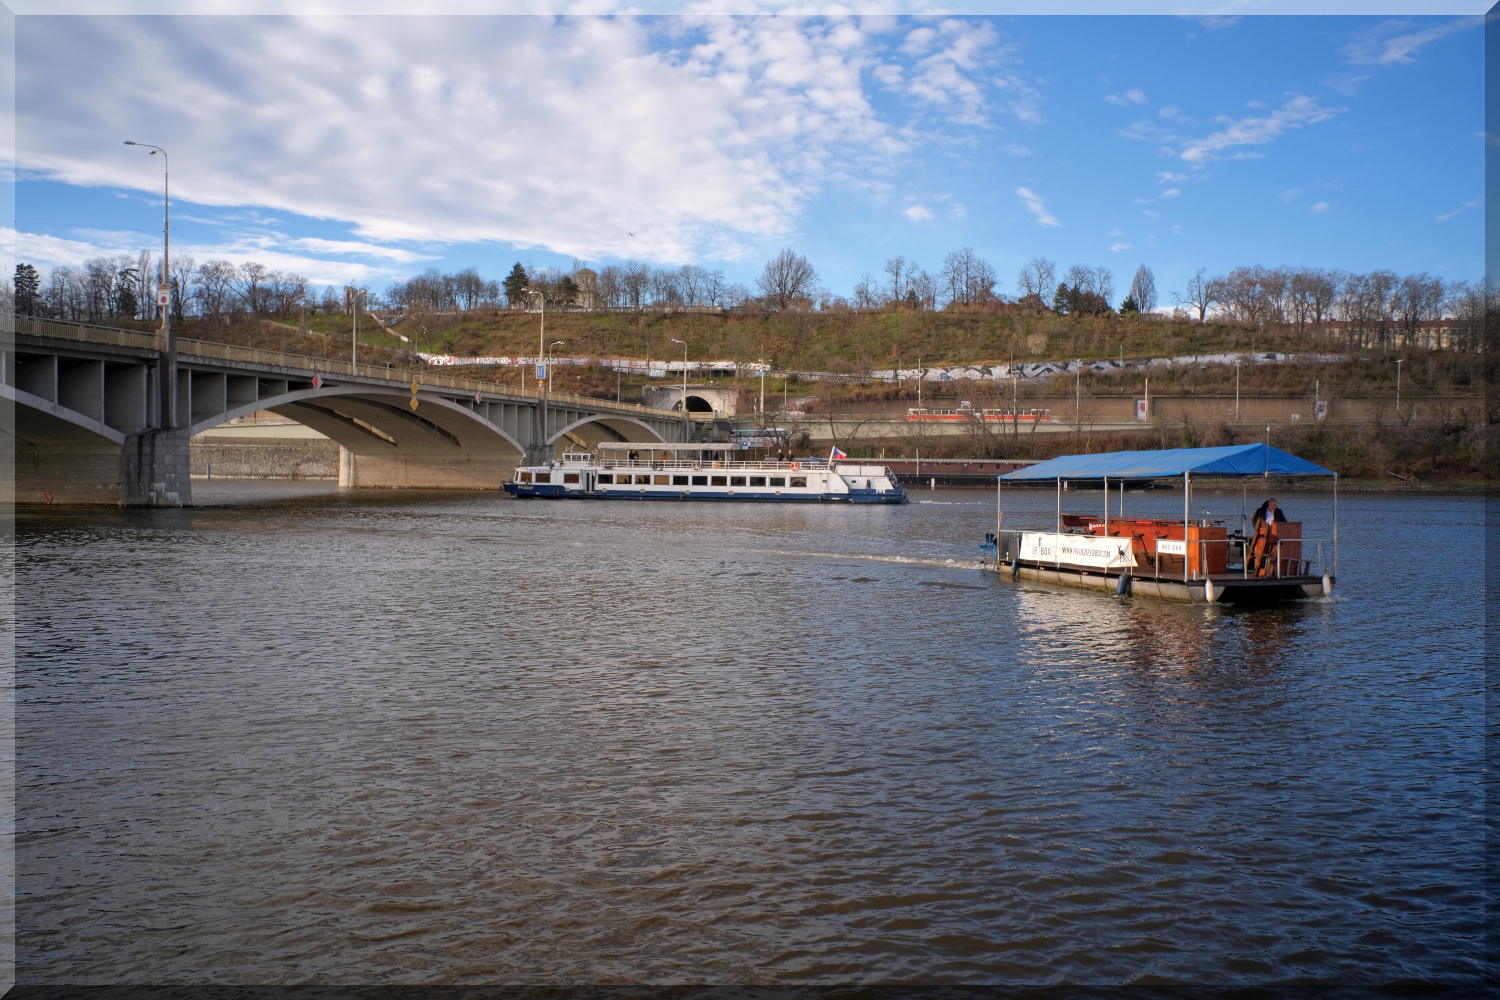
(631, 471)
(1191, 560)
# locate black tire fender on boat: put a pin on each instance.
(1123, 587)
(1015, 565)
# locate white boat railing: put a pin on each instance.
(770, 466)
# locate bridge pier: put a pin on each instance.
(155, 470)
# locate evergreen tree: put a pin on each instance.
(1129, 305)
(28, 283)
(516, 283)
(1063, 298)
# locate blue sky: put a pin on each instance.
(370, 148)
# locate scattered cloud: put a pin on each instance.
(1116, 231)
(958, 212)
(1117, 247)
(1134, 96)
(1171, 193)
(1216, 22)
(1016, 150)
(1038, 207)
(918, 213)
(1167, 177)
(1394, 42)
(1459, 210)
(1172, 113)
(1295, 113)
(948, 57)
(1320, 208)
(1291, 193)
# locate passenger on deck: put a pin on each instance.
(1266, 517)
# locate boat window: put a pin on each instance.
(606, 478)
(663, 480)
(700, 480)
(736, 480)
(757, 480)
(799, 481)
(570, 477)
(720, 480)
(525, 477)
(679, 480)
(544, 477)
(643, 480)
(778, 480)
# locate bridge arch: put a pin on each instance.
(374, 420)
(619, 427)
(57, 424)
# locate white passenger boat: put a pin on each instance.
(630, 471)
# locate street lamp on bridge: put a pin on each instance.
(166, 366)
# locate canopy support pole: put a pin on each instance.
(1187, 486)
(1122, 499)
(1335, 524)
(999, 515)
(1058, 528)
(1106, 506)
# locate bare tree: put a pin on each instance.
(1201, 294)
(866, 293)
(635, 282)
(1038, 278)
(468, 289)
(967, 278)
(1143, 289)
(896, 268)
(787, 276)
(252, 278)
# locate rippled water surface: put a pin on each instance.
(298, 735)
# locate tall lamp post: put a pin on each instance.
(542, 373)
(166, 365)
(551, 374)
(687, 427)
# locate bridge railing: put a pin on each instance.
(115, 337)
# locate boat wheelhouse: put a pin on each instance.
(631, 471)
(1194, 560)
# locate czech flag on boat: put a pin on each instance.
(836, 455)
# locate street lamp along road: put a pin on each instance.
(687, 426)
(166, 366)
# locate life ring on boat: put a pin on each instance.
(697, 465)
(796, 466)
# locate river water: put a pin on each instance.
(298, 735)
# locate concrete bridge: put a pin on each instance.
(88, 424)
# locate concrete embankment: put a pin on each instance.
(265, 447)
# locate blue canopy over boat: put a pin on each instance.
(1236, 460)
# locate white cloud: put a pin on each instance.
(1320, 208)
(1294, 113)
(958, 212)
(1134, 96)
(567, 134)
(53, 251)
(1391, 43)
(918, 213)
(1117, 247)
(1167, 177)
(1458, 211)
(1171, 113)
(1171, 193)
(946, 76)
(1038, 207)
(1291, 193)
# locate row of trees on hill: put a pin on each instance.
(1362, 309)
(123, 287)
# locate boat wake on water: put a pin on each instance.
(904, 560)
